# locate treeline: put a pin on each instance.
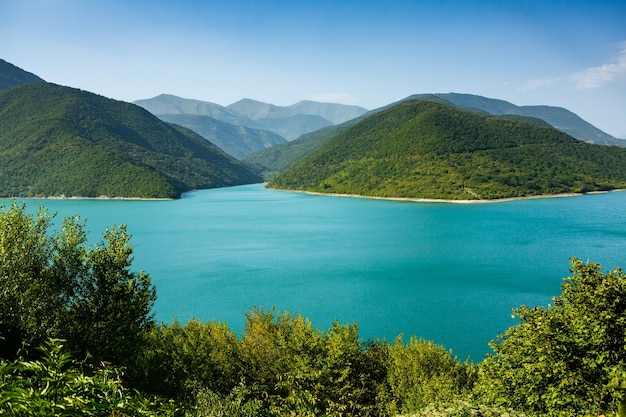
(421, 149)
(77, 338)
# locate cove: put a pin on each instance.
(445, 272)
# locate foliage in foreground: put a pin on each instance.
(54, 386)
(559, 359)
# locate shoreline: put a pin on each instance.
(102, 197)
(435, 200)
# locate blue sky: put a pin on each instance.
(369, 53)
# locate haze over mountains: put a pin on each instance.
(286, 123)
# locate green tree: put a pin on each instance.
(52, 285)
(422, 373)
(559, 359)
(182, 361)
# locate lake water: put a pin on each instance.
(446, 272)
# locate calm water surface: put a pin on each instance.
(445, 272)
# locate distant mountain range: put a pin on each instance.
(289, 122)
(425, 148)
(58, 140)
(235, 140)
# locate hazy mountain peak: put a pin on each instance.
(259, 110)
(333, 112)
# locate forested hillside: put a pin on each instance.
(423, 149)
(61, 141)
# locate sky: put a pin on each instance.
(570, 54)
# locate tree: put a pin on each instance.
(559, 359)
(52, 285)
(422, 373)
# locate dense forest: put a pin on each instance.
(77, 337)
(61, 141)
(424, 149)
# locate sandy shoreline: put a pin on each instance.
(434, 200)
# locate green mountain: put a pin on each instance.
(12, 76)
(423, 149)
(61, 141)
(277, 158)
(237, 141)
(558, 117)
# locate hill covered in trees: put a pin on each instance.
(58, 140)
(424, 149)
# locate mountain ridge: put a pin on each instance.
(59, 140)
(289, 122)
(422, 149)
(558, 117)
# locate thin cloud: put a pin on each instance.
(604, 74)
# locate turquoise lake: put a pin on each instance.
(451, 273)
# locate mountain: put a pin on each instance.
(281, 120)
(273, 160)
(277, 158)
(257, 110)
(289, 122)
(62, 141)
(236, 141)
(558, 117)
(169, 104)
(12, 76)
(423, 149)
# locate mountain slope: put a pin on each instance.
(558, 117)
(236, 141)
(422, 149)
(61, 141)
(12, 76)
(277, 158)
